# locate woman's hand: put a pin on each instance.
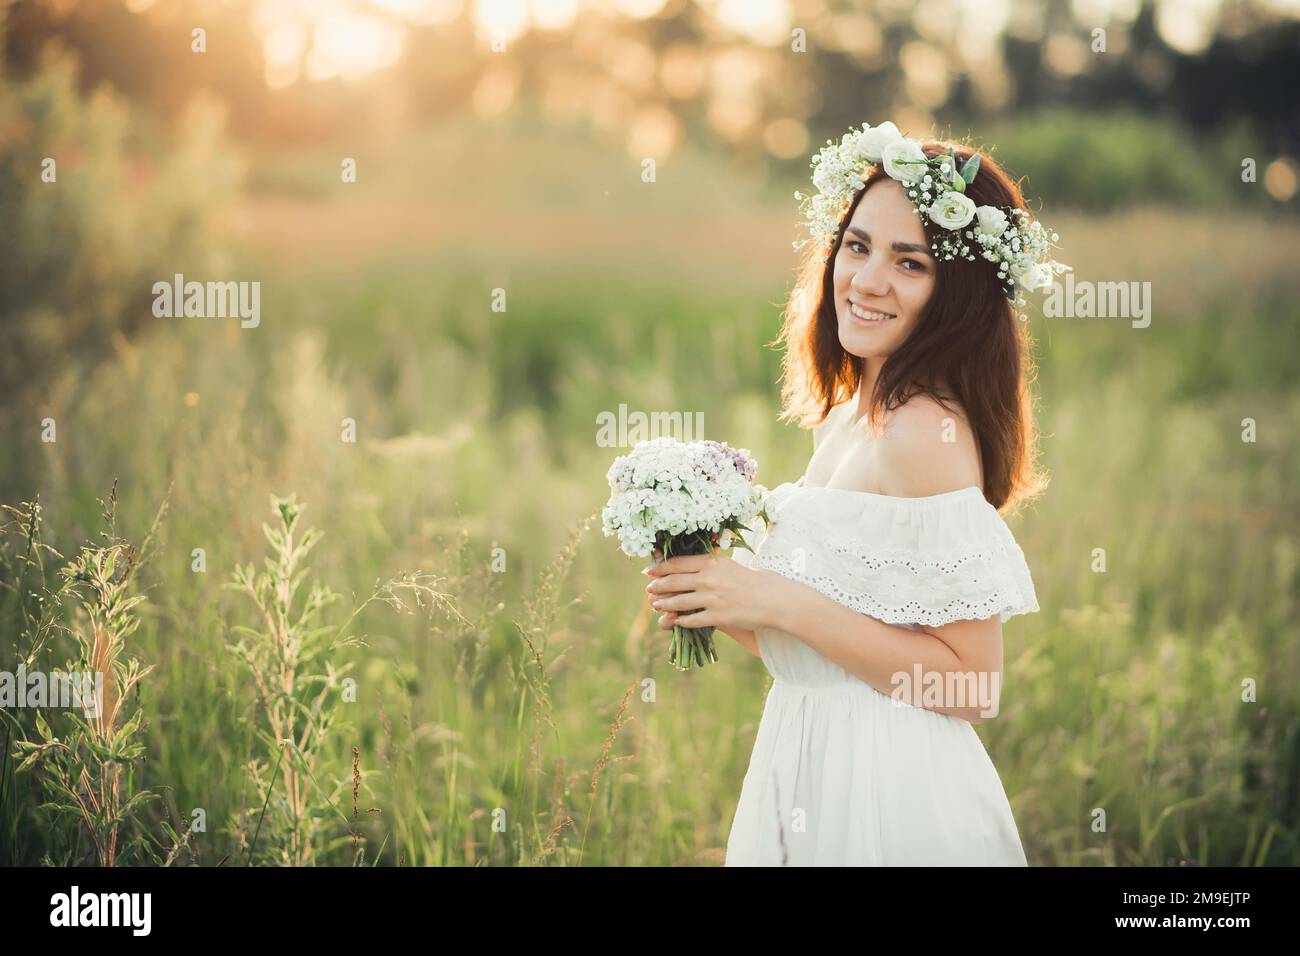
(667, 620)
(715, 590)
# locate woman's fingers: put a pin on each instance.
(673, 584)
(667, 619)
(665, 592)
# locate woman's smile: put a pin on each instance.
(865, 316)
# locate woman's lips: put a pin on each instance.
(869, 316)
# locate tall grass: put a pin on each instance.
(84, 757)
(526, 715)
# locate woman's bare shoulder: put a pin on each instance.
(928, 449)
(926, 411)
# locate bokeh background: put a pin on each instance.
(500, 712)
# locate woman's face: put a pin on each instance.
(883, 274)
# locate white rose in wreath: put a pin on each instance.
(952, 210)
(1030, 274)
(872, 142)
(992, 221)
(904, 160)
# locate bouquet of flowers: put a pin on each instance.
(674, 498)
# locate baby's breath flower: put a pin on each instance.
(666, 487)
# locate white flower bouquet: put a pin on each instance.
(669, 498)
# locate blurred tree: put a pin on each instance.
(722, 73)
(96, 206)
(147, 57)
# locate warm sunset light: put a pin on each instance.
(637, 435)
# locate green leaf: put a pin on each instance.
(970, 168)
(30, 759)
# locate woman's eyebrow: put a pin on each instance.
(897, 247)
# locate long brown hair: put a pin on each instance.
(968, 346)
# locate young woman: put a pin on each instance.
(877, 596)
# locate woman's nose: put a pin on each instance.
(871, 279)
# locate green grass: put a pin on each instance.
(478, 733)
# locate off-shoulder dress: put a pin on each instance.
(840, 773)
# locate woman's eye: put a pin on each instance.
(913, 265)
(856, 246)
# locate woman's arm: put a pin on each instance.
(955, 669)
(744, 637)
(927, 450)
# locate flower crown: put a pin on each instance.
(1017, 244)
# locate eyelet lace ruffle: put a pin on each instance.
(919, 561)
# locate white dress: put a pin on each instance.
(842, 774)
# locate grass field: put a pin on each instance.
(501, 716)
